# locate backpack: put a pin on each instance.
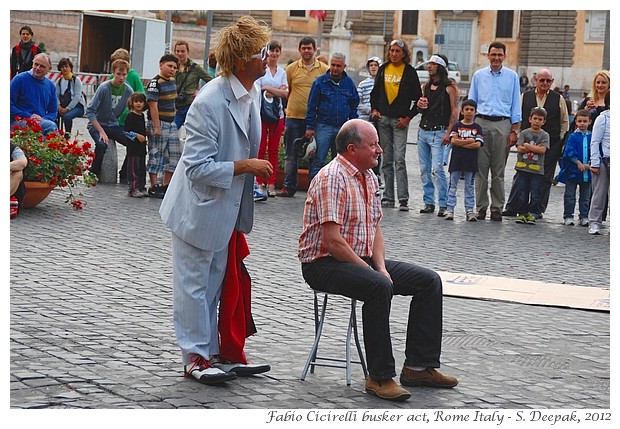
(65, 97)
(18, 50)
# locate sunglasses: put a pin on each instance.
(400, 43)
(545, 80)
(263, 54)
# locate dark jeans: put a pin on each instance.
(424, 328)
(294, 129)
(115, 133)
(529, 192)
(67, 119)
(552, 157)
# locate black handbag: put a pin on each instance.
(269, 108)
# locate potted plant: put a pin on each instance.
(53, 161)
(175, 16)
(202, 17)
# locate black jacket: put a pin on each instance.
(408, 94)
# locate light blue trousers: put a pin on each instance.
(431, 154)
(197, 277)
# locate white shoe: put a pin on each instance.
(205, 372)
(569, 221)
(449, 216)
(583, 222)
(595, 229)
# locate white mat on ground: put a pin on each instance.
(525, 291)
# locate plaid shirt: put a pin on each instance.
(336, 194)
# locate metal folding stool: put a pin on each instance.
(313, 357)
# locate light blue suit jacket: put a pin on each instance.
(204, 201)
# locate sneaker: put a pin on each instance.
(428, 208)
(442, 211)
(14, 207)
(241, 369)
(259, 195)
(583, 222)
(569, 221)
(387, 204)
(386, 389)
(403, 207)
(136, 194)
(496, 216)
(448, 216)
(521, 219)
(285, 192)
(156, 191)
(204, 372)
(471, 217)
(482, 214)
(595, 229)
(429, 377)
(538, 215)
(530, 219)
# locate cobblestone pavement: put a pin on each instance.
(91, 311)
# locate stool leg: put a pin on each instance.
(317, 335)
(357, 339)
(348, 345)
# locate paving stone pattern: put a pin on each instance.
(91, 311)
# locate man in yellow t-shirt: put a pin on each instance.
(300, 76)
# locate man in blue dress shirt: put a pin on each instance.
(497, 92)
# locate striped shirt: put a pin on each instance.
(337, 195)
(164, 91)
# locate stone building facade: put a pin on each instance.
(570, 43)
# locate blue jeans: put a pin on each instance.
(47, 126)
(115, 133)
(424, 326)
(529, 194)
(469, 191)
(67, 118)
(570, 198)
(179, 118)
(295, 128)
(431, 159)
(393, 141)
(325, 136)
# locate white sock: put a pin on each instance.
(416, 368)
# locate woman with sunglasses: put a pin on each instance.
(393, 98)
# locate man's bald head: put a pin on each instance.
(353, 132)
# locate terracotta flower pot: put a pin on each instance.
(302, 179)
(36, 192)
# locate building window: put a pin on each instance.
(410, 22)
(505, 19)
(297, 13)
(354, 14)
(595, 25)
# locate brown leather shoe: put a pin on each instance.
(496, 216)
(482, 214)
(430, 377)
(387, 389)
